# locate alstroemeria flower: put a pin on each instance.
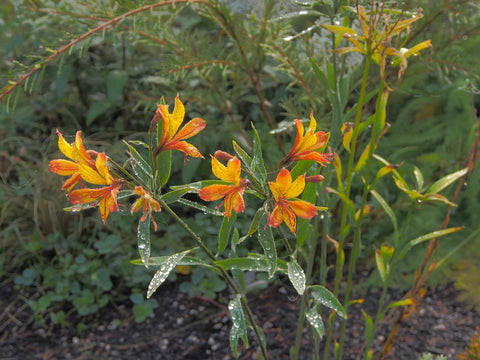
(147, 203)
(173, 140)
(76, 153)
(233, 194)
(306, 145)
(287, 210)
(104, 197)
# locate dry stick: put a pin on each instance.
(430, 259)
(112, 22)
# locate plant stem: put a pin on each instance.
(358, 226)
(343, 230)
(226, 276)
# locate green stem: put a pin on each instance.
(303, 306)
(358, 227)
(225, 275)
(380, 309)
(343, 231)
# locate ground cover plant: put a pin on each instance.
(294, 141)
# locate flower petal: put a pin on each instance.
(214, 192)
(63, 167)
(295, 188)
(65, 147)
(302, 208)
(192, 128)
(230, 173)
(176, 118)
(183, 146)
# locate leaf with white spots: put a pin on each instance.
(165, 269)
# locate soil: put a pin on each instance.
(198, 328)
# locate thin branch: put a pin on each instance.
(113, 22)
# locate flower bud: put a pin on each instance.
(222, 155)
(314, 178)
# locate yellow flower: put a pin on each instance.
(171, 138)
(306, 145)
(233, 194)
(287, 210)
(77, 154)
(104, 197)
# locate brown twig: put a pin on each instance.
(113, 22)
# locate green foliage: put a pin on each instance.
(248, 69)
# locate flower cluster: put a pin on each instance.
(91, 182)
(286, 208)
(90, 167)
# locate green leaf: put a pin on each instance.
(172, 196)
(441, 184)
(96, 110)
(225, 230)
(242, 154)
(160, 260)
(296, 276)
(418, 177)
(388, 210)
(265, 238)
(323, 296)
(204, 209)
(116, 80)
(258, 166)
(254, 262)
(239, 327)
(164, 166)
(426, 237)
(165, 269)
(404, 302)
(315, 320)
(369, 331)
(253, 225)
(140, 166)
(143, 239)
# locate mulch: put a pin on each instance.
(198, 328)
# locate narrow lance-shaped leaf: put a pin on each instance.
(441, 184)
(265, 238)
(258, 166)
(143, 239)
(164, 166)
(427, 237)
(254, 225)
(315, 320)
(323, 296)
(239, 328)
(296, 276)
(140, 166)
(419, 178)
(388, 210)
(242, 154)
(225, 230)
(165, 270)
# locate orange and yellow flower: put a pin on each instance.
(233, 194)
(104, 197)
(171, 138)
(286, 210)
(147, 203)
(76, 153)
(306, 145)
